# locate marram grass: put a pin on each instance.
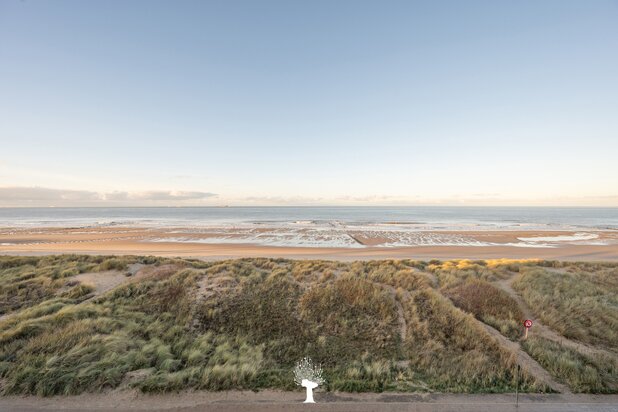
(243, 324)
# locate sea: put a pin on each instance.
(414, 218)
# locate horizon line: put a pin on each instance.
(308, 206)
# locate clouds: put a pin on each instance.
(23, 196)
(162, 195)
(476, 199)
(157, 195)
(281, 200)
(42, 196)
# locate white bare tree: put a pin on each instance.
(308, 375)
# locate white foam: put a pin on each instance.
(594, 243)
(321, 237)
(539, 245)
(415, 238)
(342, 236)
(561, 238)
(309, 238)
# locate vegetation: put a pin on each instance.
(468, 284)
(580, 301)
(454, 272)
(28, 281)
(490, 305)
(243, 324)
(582, 373)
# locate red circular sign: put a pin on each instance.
(527, 323)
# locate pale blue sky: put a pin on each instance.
(304, 102)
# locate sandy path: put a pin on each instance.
(275, 401)
(105, 281)
(526, 362)
(101, 281)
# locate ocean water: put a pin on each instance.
(408, 219)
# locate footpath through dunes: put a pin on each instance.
(92, 323)
(540, 329)
(526, 362)
(551, 357)
(523, 359)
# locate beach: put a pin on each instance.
(340, 233)
(226, 242)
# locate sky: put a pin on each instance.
(117, 103)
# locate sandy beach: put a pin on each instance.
(211, 244)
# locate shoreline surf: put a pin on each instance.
(227, 243)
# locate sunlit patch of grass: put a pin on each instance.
(511, 264)
(454, 272)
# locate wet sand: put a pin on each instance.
(139, 241)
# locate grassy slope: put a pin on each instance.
(578, 301)
(243, 323)
(596, 374)
(467, 284)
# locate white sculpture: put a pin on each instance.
(310, 387)
(309, 376)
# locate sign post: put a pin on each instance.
(517, 386)
(527, 325)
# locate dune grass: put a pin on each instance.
(598, 374)
(467, 284)
(580, 301)
(28, 281)
(454, 272)
(488, 304)
(242, 324)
